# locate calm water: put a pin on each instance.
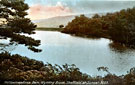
(87, 54)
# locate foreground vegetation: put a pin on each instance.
(19, 68)
(118, 26)
(13, 24)
(49, 29)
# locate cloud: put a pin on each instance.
(39, 11)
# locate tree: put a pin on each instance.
(13, 23)
(61, 26)
(122, 29)
(96, 16)
(118, 26)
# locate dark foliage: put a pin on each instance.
(118, 26)
(19, 68)
(14, 23)
(61, 26)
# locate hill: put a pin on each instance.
(54, 22)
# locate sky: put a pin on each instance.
(42, 9)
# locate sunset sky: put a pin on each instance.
(42, 9)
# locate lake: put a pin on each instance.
(87, 54)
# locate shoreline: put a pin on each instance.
(16, 68)
(49, 29)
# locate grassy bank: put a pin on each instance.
(49, 29)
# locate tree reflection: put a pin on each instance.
(117, 47)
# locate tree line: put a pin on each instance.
(118, 26)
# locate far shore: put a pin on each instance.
(49, 29)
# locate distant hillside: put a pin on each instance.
(54, 22)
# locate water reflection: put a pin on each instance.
(87, 54)
(118, 47)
